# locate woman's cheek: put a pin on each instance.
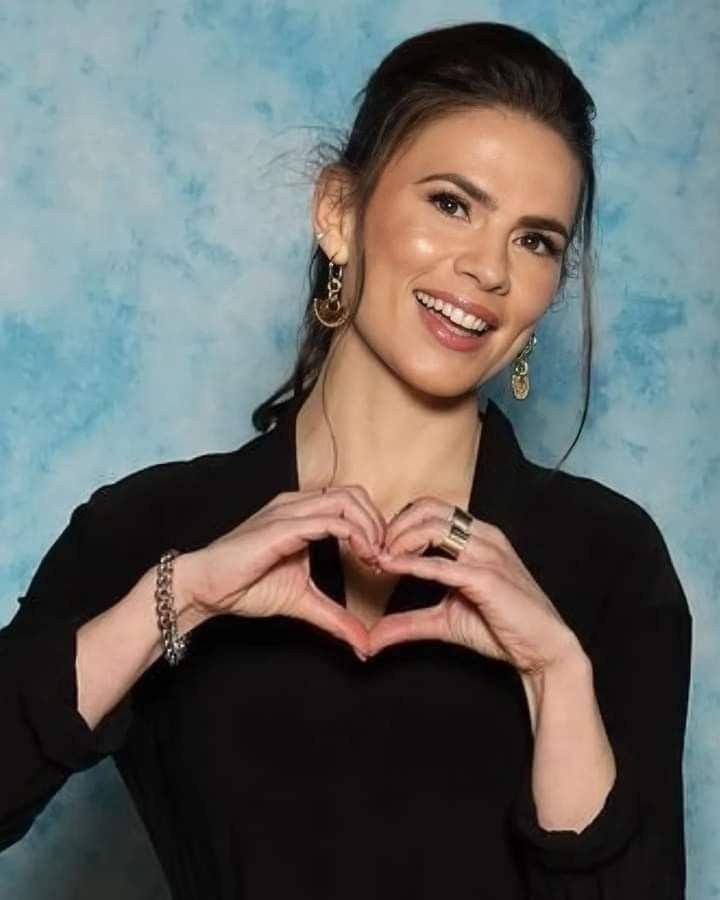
(424, 247)
(403, 234)
(415, 247)
(533, 287)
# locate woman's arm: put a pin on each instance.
(84, 634)
(116, 647)
(641, 654)
(573, 762)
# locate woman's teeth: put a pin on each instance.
(462, 319)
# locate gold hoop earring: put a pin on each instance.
(520, 379)
(329, 310)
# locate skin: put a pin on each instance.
(388, 378)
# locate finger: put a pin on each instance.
(363, 497)
(413, 513)
(285, 501)
(340, 501)
(315, 607)
(434, 568)
(294, 534)
(415, 625)
(415, 538)
(433, 531)
(348, 500)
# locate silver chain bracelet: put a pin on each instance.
(174, 645)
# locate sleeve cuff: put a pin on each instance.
(607, 835)
(50, 704)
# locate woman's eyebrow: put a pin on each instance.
(546, 223)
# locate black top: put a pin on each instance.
(272, 764)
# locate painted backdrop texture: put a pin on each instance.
(153, 241)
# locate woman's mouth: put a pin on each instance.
(438, 316)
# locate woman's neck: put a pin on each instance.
(396, 443)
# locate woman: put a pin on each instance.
(512, 722)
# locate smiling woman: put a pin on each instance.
(513, 724)
(460, 236)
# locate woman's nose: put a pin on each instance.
(486, 260)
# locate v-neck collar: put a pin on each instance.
(500, 485)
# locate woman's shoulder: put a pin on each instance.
(592, 511)
(124, 525)
(598, 496)
(181, 478)
(582, 529)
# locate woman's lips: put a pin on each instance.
(466, 305)
(445, 335)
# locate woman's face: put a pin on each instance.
(473, 209)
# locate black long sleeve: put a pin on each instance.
(45, 739)
(273, 763)
(641, 663)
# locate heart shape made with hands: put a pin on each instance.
(493, 604)
(394, 627)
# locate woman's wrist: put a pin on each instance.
(187, 587)
(562, 676)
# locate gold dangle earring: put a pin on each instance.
(329, 310)
(520, 380)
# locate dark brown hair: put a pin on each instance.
(428, 76)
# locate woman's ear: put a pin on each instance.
(333, 215)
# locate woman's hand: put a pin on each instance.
(493, 604)
(262, 567)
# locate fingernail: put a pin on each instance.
(360, 656)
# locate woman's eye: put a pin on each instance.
(449, 204)
(551, 248)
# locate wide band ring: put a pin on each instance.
(458, 532)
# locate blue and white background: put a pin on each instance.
(154, 233)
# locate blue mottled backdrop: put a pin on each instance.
(153, 240)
